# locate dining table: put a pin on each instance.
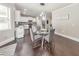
(43, 33)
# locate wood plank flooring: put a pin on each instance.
(63, 47)
(24, 47)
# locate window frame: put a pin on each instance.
(6, 18)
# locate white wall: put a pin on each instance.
(8, 35)
(67, 27)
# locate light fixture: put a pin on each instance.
(42, 4)
(24, 11)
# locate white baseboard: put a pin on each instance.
(6, 41)
(72, 38)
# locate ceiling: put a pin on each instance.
(34, 9)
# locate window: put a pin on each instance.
(4, 18)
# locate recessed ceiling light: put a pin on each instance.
(25, 9)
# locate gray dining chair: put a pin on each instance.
(35, 42)
(51, 44)
(51, 40)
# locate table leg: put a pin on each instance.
(42, 43)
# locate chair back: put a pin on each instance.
(51, 40)
(51, 34)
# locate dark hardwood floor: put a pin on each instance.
(24, 47)
(63, 47)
